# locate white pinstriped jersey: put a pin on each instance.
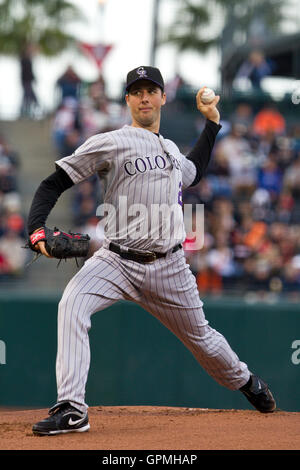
(138, 170)
(136, 164)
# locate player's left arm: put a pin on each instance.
(201, 152)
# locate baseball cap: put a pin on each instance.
(145, 72)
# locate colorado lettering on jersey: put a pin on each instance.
(142, 164)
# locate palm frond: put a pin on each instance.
(191, 43)
(239, 16)
(42, 22)
(54, 41)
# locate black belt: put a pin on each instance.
(139, 256)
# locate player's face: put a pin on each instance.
(145, 100)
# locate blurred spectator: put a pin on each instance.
(220, 259)
(29, 104)
(285, 205)
(93, 120)
(219, 176)
(67, 127)
(254, 233)
(264, 145)
(291, 179)
(11, 202)
(269, 119)
(270, 178)
(11, 250)
(9, 164)
(243, 114)
(255, 68)
(12, 233)
(296, 138)
(209, 281)
(97, 92)
(236, 151)
(7, 175)
(11, 154)
(5, 268)
(284, 239)
(261, 205)
(69, 84)
(291, 278)
(222, 219)
(283, 151)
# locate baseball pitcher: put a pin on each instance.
(141, 259)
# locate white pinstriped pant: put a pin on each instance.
(166, 288)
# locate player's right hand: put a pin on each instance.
(210, 111)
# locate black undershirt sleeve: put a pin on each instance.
(46, 197)
(201, 152)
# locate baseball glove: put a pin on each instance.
(59, 244)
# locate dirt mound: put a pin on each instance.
(158, 428)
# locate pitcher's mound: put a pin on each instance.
(158, 428)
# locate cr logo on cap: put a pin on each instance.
(141, 72)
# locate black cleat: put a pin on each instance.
(259, 395)
(63, 418)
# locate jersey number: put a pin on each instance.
(180, 194)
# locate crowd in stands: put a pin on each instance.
(12, 228)
(250, 192)
(251, 195)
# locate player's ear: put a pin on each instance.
(127, 98)
(164, 99)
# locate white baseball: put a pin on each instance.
(208, 96)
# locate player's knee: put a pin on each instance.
(71, 310)
(202, 331)
(202, 337)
